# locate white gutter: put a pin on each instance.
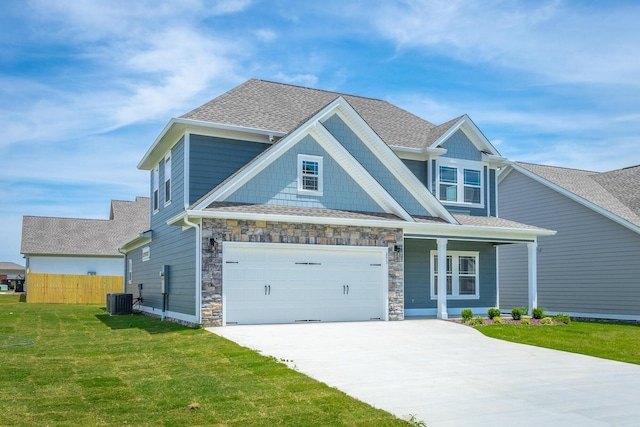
(201, 124)
(430, 229)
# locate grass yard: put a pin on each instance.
(88, 368)
(615, 341)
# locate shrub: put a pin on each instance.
(476, 321)
(497, 319)
(466, 314)
(562, 318)
(493, 312)
(516, 313)
(526, 321)
(546, 321)
(525, 310)
(537, 313)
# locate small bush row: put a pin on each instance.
(516, 314)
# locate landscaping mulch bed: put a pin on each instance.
(507, 321)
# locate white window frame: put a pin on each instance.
(455, 276)
(146, 253)
(155, 193)
(460, 166)
(167, 179)
(130, 272)
(301, 175)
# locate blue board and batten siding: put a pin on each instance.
(417, 274)
(590, 266)
(277, 184)
(213, 159)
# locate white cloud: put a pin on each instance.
(309, 80)
(560, 41)
(266, 35)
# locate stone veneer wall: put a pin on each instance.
(279, 232)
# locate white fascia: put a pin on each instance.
(362, 177)
(607, 214)
(176, 128)
(332, 146)
(421, 154)
(140, 240)
(453, 231)
(260, 164)
(473, 133)
(386, 155)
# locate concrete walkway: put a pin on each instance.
(448, 374)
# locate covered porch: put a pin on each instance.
(445, 273)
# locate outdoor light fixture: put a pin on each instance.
(396, 252)
(214, 245)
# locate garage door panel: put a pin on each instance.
(281, 284)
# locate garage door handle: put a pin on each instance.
(345, 289)
(267, 289)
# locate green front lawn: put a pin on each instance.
(615, 341)
(88, 368)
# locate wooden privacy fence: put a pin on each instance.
(71, 288)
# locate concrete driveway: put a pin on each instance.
(448, 374)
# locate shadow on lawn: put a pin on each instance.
(149, 324)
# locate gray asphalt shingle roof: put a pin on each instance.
(616, 191)
(296, 211)
(78, 236)
(4, 266)
(282, 108)
(473, 221)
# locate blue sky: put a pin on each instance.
(86, 86)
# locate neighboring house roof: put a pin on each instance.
(616, 192)
(279, 107)
(89, 237)
(4, 266)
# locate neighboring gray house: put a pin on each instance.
(591, 268)
(11, 270)
(82, 246)
(276, 203)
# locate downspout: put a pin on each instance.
(124, 277)
(198, 266)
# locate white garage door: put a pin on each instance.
(273, 283)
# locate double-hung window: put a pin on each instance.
(310, 174)
(460, 182)
(155, 178)
(462, 275)
(167, 179)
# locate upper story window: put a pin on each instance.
(310, 174)
(460, 182)
(167, 179)
(462, 275)
(155, 178)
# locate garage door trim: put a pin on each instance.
(382, 251)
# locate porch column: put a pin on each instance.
(533, 275)
(442, 279)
